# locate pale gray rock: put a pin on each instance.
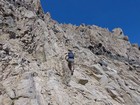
(118, 31)
(25, 88)
(104, 80)
(135, 45)
(24, 101)
(98, 69)
(29, 14)
(11, 93)
(9, 21)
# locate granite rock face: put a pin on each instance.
(34, 71)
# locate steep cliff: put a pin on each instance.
(34, 71)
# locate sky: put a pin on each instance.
(110, 14)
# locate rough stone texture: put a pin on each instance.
(33, 69)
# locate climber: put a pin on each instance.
(70, 59)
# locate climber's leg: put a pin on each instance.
(71, 65)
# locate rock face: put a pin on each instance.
(33, 69)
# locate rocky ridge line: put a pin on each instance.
(33, 69)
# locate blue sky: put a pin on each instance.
(104, 13)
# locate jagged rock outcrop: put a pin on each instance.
(33, 69)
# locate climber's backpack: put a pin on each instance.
(70, 55)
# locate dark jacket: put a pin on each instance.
(70, 55)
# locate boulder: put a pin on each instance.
(117, 31)
(126, 38)
(29, 14)
(135, 45)
(82, 81)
